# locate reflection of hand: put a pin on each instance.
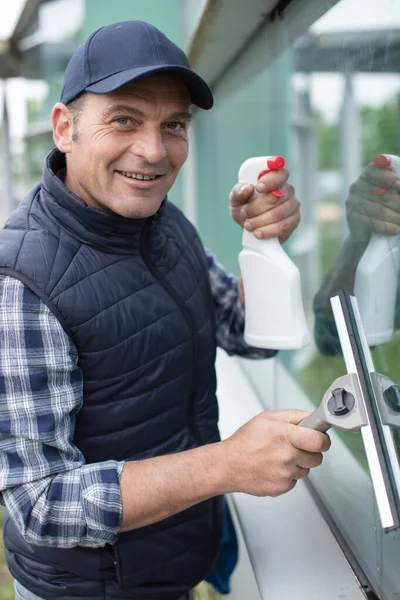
(266, 215)
(369, 211)
(267, 455)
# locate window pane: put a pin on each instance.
(346, 82)
(329, 103)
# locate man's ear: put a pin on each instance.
(61, 118)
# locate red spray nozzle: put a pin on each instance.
(383, 162)
(274, 163)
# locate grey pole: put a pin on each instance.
(350, 142)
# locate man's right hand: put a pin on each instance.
(267, 455)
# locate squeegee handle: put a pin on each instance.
(314, 421)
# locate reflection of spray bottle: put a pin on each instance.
(272, 288)
(375, 284)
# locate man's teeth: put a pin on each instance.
(138, 176)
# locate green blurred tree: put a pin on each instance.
(380, 130)
(328, 144)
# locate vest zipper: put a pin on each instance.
(186, 315)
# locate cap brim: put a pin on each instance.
(200, 93)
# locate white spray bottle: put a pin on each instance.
(274, 314)
(375, 284)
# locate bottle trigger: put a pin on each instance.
(274, 165)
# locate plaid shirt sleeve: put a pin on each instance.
(52, 495)
(229, 313)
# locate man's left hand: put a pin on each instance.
(265, 215)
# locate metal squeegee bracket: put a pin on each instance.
(353, 403)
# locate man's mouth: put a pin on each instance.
(139, 176)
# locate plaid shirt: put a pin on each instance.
(54, 497)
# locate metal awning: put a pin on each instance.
(225, 27)
(228, 28)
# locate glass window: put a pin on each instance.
(330, 103)
(345, 86)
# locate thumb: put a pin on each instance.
(240, 194)
(292, 416)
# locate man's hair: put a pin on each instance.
(76, 107)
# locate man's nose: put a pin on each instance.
(150, 146)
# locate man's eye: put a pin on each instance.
(123, 120)
(175, 125)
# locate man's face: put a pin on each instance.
(129, 146)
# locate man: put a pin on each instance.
(113, 473)
(367, 212)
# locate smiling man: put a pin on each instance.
(113, 472)
(132, 144)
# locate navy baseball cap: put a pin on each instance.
(119, 53)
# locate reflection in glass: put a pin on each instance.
(346, 103)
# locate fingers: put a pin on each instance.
(375, 216)
(309, 441)
(373, 204)
(376, 210)
(367, 193)
(376, 176)
(270, 453)
(301, 438)
(301, 473)
(259, 211)
(378, 226)
(309, 460)
(276, 221)
(272, 180)
(243, 192)
(268, 217)
(265, 202)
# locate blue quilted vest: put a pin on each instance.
(134, 295)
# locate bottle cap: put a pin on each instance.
(275, 162)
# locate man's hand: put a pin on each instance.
(369, 211)
(267, 455)
(266, 215)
